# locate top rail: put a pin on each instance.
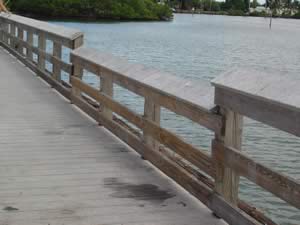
(30, 40)
(193, 100)
(68, 37)
(274, 100)
(270, 99)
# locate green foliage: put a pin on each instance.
(254, 4)
(236, 5)
(259, 14)
(236, 12)
(297, 15)
(296, 4)
(97, 9)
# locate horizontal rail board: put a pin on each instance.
(187, 151)
(280, 185)
(52, 59)
(60, 34)
(193, 100)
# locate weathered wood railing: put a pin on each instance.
(212, 179)
(28, 38)
(193, 101)
(271, 99)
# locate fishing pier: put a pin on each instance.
(72, 154)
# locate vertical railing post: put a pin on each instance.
(20, 37)
(30, 45)
(57, 53)
(106, 87)
(42, 48)
(5, 31)
(77, 42)
(13, 35)
(77, 72)
(227, 180)
(2, 30)
(152, 113)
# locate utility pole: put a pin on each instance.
(271, 16)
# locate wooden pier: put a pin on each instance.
(69, 153)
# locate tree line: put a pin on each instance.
(146, 9)
(284, 7)
(93, 9)
(207, 5)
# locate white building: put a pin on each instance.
(260, 9)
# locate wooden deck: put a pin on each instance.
(57, 166)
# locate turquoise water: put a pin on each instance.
(201, 47)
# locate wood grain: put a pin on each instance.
(54, 59)
(29, 41)
(273, 99)
(57, 55)
(151, 113)
(191, 100)
(106, 87)
(227, 180)
(21, 37)
(196, 156)
(229, 213)
(280, 185)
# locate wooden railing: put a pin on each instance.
(213, 179)
(218, 185)
(28, 39)
(270, 99)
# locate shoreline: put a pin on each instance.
(91, 18)
(227, 13)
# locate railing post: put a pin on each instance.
(30, 45)
(152, 113)
(4, 32)
(57, 53)
(106, 87)
(42, 48)
(20, 37)
(78, 73)
(227, 180)
(77, 42)
(13, 35)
